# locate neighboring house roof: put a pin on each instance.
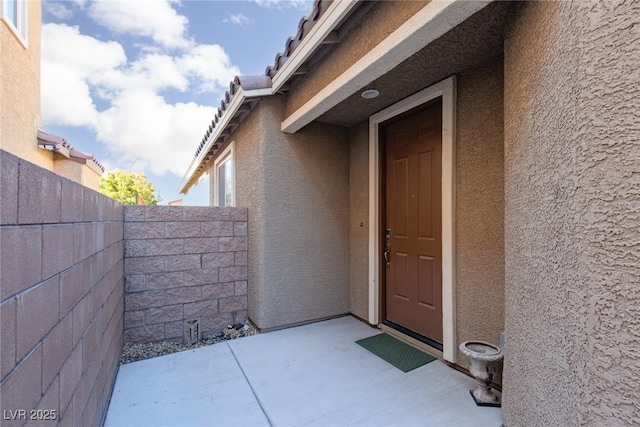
(59, 145)
(245, 91)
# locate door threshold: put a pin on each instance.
(411, 341)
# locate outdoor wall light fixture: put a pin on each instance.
(370, 94)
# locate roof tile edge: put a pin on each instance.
(255, 82)
(62, 146)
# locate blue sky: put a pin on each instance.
(136, 83)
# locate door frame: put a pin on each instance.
(447, 90)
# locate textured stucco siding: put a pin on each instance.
(78, 172)
(380, 20)
(359, 214)
(20, 91)
(479, 240)
(250, 194)
(572, 209)
(305, 222)
(296, 189)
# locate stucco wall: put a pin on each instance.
(572, 203)
(20, 102)
(479, 241)
(305, 222)
(380, 20)
(297, 190)
(20, 91)
(359, 214)
(249, 165)
(78, 172)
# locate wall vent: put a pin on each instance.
(191, 331)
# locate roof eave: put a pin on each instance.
(327, 23)
(230, 112)
(323, 29)
(431, 22)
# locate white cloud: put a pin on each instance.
(87, 55)
(238, 19)
(66, 98)
(58, 10)
(151, 72)
(300, 4)
(70, 61)
(210, 64)
(203, 68)
(139, 126)
(156, 19)
(143, 127)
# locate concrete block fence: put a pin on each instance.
(62, 288)
(183, 264)
(61, 297)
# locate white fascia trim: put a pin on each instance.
(447, 90)
(430, 23)
(325, 25)
(231, 110)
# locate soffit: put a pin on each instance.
(468, 45)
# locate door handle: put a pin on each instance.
(387, 250)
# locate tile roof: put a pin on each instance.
(58, 141)
(254, 82)
(60, 145)
(244, 82)
(304, 26)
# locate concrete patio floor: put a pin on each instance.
(312, 375)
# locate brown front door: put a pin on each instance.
(413, 223)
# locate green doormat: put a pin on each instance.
(394, 351)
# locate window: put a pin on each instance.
(223, 179)
(14, 13)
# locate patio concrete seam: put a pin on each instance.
(251, 387)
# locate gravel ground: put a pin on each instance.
(135, 352)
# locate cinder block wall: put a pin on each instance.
(61, 296)
(183, 264)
